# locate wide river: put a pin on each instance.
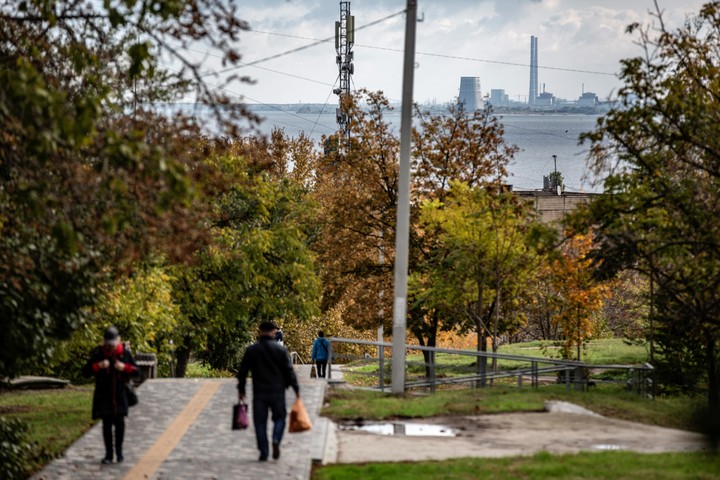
(538, 136)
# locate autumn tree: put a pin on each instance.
(356, 193)
(579, 296)
(356, 188)
(659, 152)
(91, 179)
(484, 249)
(258, 266)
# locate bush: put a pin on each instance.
(15, 449)
(201, 370)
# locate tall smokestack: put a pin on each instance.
(533, 71)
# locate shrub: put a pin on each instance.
(15, 449)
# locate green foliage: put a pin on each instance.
(586, 465)
(200, 370)
(660, 214)
(258, 267)
(85, 189)
(143, 309)
(481, 248)
(356, 190)
(15, 451)
(556, 180)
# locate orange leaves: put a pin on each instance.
(580, 296)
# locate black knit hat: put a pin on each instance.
(267, 326)
(111, 333)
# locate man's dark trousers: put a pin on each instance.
(262, 402)
(321, 367)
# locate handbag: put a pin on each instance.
(313, 371)
(299, 418)
(132, 398)
(240, 417)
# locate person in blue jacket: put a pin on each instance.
(320, 353)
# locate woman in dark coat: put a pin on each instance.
(112, 365)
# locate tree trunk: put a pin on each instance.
(183, 357)
(713, 375)
(427, 337)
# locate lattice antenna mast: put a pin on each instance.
(344, 40)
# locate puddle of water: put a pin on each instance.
(399, 428)
(608, 447)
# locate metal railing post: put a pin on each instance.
(432, 371)
(330, 361)
(381, 372)
(578, 379)
(567, 380)
(534, 372)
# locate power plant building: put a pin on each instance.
(470, 97)
(499, 97)
(588, 99)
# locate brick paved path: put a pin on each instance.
(209, 449)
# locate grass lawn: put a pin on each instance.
(56, 417)
(607, 400)
(601, 465)
(598, 352)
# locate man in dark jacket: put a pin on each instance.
(272, 374)
(112, 365)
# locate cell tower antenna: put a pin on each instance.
(344, 41)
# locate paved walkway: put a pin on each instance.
(208, 448)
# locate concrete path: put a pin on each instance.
(512, 434)
(182, 427)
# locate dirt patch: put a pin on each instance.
(514, 434)
(10, 409)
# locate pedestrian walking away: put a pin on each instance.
(320, 353)
(272, 373)
(112, 365)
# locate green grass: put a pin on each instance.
(601, 465)
(607, 400)
(56, 417)
(199, 370)
(598, 352)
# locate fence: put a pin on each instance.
(441, 366)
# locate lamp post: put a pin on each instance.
(172, 359)
(403, 207)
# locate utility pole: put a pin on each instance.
(344, 41)
(402, 234)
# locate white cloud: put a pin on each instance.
(576, 34)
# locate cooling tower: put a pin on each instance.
(470, 98)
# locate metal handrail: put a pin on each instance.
(296, 355)
(638, 383)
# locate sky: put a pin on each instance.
(584, 35)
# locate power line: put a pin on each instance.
(322, 110)
(430, 54)
(304, 47)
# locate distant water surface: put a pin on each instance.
(538, 136)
